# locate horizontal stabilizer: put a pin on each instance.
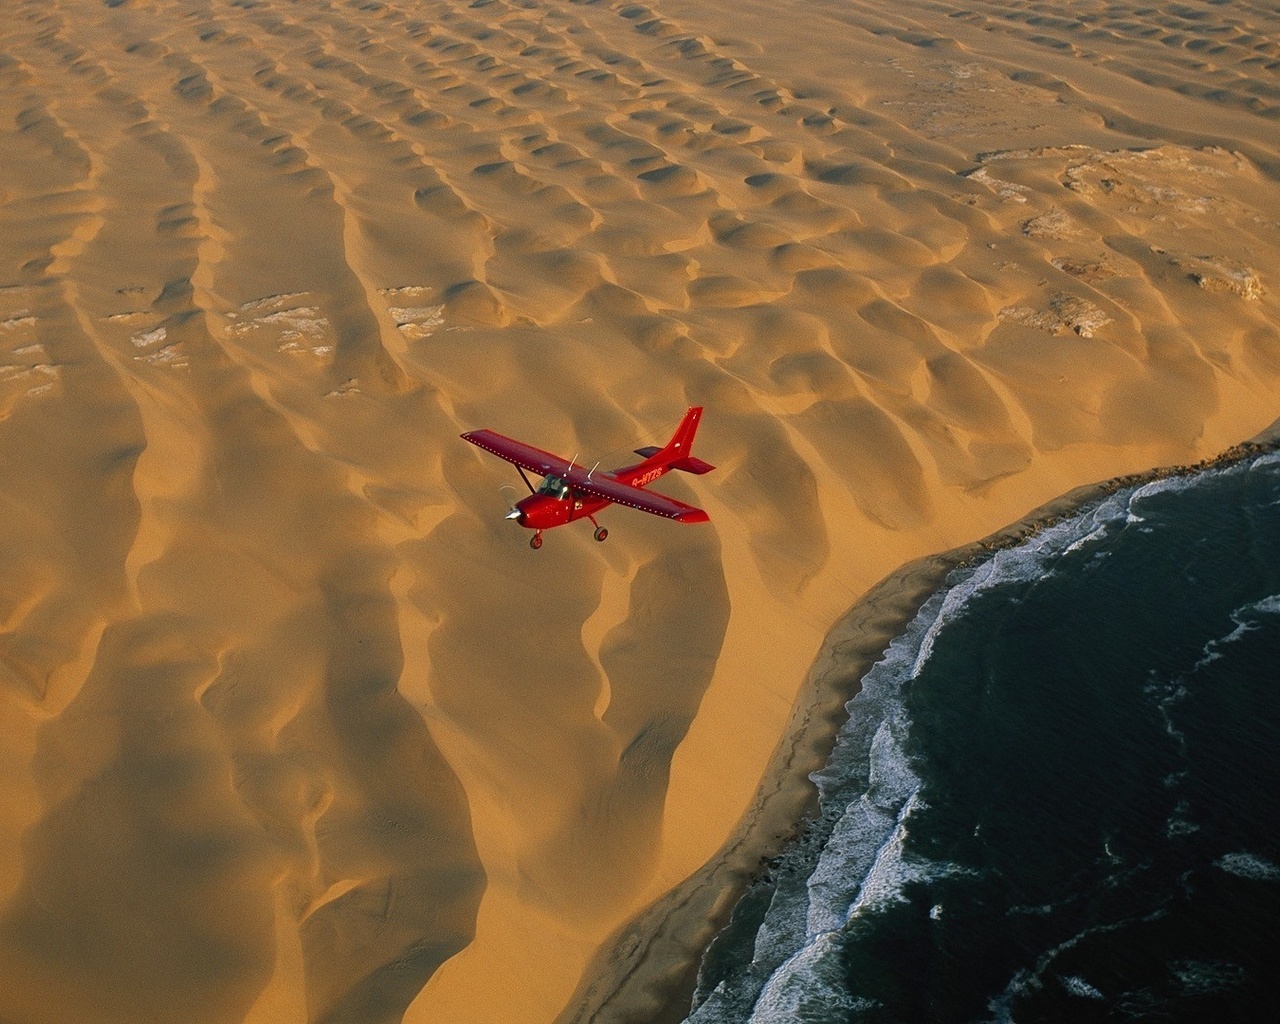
(691, 465)
(648, 451)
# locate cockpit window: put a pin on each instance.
(554, 486)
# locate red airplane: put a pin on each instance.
(570, 492)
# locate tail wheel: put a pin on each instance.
(601, 533)
(535, 541)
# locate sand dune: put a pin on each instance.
(295, 726)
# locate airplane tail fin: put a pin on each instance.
(677, 453)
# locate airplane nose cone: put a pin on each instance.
(515, 513)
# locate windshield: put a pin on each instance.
(554, 486)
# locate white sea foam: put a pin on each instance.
(892, 869)
(784, 929)
(863, 865)
(847, 857)
(1167, 695)
(1077, 986)
(1028, 561)
(1243, 617)
(1204, 977)
(1147, 490)
(1093, 535)
(953, 601)
(861, 869)
(892, 781)
(1001, 1006)
(1268, 605)
(1028, 981)
(1249, 865)
(810, 987)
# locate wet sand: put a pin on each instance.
(294, 726)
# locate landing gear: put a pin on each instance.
(535, 541)
(601, 533)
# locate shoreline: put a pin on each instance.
(647, 972)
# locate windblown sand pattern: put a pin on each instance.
(293, 726)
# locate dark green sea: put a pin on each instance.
(1057, 797)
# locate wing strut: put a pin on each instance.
(520, 470)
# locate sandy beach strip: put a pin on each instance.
(647, 971)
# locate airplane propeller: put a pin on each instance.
(503, 489)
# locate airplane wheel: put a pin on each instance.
(601, 533)
(535, 541)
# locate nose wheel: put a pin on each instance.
(535, 541)
(601, 533)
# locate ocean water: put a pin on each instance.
(1057, 797)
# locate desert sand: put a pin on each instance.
(293, 725)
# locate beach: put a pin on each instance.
(295, 726)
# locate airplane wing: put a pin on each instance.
(635, 497)
(526, 456)
(535, 460)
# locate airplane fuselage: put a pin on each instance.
(543, 511)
